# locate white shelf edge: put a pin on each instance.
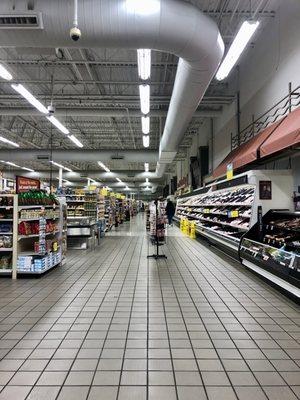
(36, 235)
(37, 219)
(37, 206)
(273, 278)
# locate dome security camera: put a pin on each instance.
(75, 33)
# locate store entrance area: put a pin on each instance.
(111, 324)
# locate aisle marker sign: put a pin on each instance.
(229, 171)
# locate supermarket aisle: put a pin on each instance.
(111, 325)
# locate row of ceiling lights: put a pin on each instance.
(144, 71)
(238, 45)
(39, 106)
(106, 169)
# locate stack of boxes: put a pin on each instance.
(38, 264)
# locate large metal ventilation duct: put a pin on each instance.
(171, 26)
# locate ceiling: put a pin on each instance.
(96, 79)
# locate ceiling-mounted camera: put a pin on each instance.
(75, 33)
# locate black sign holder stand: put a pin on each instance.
(157, 255)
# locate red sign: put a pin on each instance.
(24, 184)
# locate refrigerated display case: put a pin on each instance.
(272, 249)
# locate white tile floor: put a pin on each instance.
(112, 325)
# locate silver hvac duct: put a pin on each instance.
(171, 26)
(94, 112)
(61, 155)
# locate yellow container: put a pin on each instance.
(181, 224)
(192, 230)
(186, 226)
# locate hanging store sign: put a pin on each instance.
(24, 184)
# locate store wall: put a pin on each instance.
(202, 137)
(264, 74)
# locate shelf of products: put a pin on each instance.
(224, 211)
(90, 205)
(8, 235)
(274, 246)
(224, 214)
(39, 233)
(30, 233)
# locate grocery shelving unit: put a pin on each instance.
(224, 211)
(30, 250)
(39, 247)
(9, 234)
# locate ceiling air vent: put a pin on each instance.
(117, 157)
(43, 157)
(21, 21)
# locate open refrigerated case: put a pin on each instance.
(224, 211)
(271, 248)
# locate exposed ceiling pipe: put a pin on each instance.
(81, 155)
(94, 112)
(167, 25)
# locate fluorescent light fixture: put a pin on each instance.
(61, 166)
(119, 180)
(145, 98)
(147, 180)
(27, 169)
(147, 188)
(12, 164)
(75, 141)
(146, 167)
(144, 63)
(30, 98)
(143, 7)
(58, 124)
(146, 141)
(64, 180)
(103, 166)
(4, 140)
(238, 45)
(145, 125)
(4, 74)
(17, 166)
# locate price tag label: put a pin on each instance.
(234, 213)
(206, 211)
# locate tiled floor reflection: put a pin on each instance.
(111, 325)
